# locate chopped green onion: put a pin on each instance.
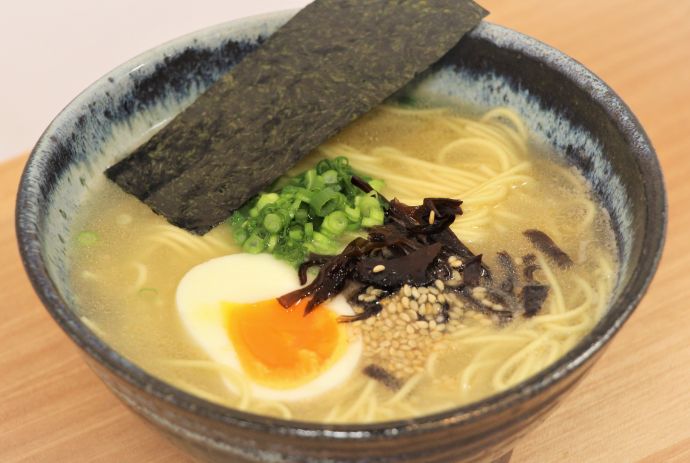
(367, 204)
(273, 223)
(309, 230)
(322, 166)
(240, 235)
(296, 233)
(330, 177)
(353, 214)
(321, 238)
(322, 244)
(335, 223)
(326, 201)
(377, 184)
(377, 214)
(237, 218)
(295, 204)
(310, 179)
(301, 215)
(315, 211)
(368, 222)
(272, 242)
(254, 244)
(265, 199)
(303, 195)
(87, 238)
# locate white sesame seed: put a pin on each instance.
(439, 284)
(406, 302)
(407, 290)
(378, 268)
(432, 217)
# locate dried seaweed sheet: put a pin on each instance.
(334, 61)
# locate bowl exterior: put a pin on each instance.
(563, 104)
(484, 440)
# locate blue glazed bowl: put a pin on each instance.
(564, 105)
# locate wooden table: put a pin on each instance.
(633, 406)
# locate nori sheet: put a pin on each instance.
(331, 63)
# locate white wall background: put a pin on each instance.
(50, 50)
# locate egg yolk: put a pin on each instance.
(283, 348)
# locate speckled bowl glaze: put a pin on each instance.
(564, 105)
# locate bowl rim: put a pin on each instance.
(28, 199)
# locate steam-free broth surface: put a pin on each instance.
(127, 264)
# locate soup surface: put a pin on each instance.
(430, 348)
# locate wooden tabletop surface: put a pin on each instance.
(634, 406)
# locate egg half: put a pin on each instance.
(228, 305)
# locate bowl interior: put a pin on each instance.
(562, 103)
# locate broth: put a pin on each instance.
(126, 280)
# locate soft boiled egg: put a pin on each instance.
(228, 305)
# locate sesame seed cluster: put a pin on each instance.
(414, 321)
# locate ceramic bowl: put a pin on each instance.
(564, 105)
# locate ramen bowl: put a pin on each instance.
(563, 104)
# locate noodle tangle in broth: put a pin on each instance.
(507, 184)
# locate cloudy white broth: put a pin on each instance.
(201, 312)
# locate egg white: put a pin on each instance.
(245, 278)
